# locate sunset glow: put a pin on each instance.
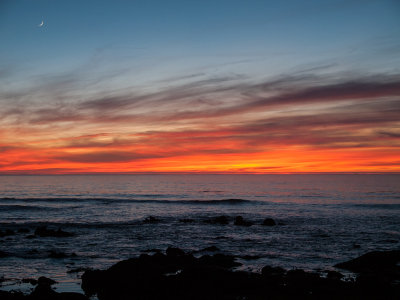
(118, 109)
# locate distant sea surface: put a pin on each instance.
(323, 219)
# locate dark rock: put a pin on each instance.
(269, 222)
(151, 220)
(334, 275)
(272, 271)
(250, 257)
(174, 252)
(42, 231)
(23, 230)
(356, 246)
(30, 280)
(181, 276)
(31, 236)
(45, 281)
(273, 275)
(44, 292)
(239, 221)
(152, 275)
(3, 254)
(210, 249)
(93, 281)
(372, 261)
(12, 295)
(219, 260)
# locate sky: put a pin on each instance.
(190, 86)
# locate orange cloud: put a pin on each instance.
(211, 126)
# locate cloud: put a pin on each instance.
(104, 157)
(216, 117)
(208, 98)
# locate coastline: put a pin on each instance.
(304, 222)
(176, 274)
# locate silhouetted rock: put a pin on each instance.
(379, 274)
(269, 222)
(23, 230)
(30, 280)
(12, 295)
(181, 276)
(3, 254)
(174, 252)
(209, 249)
(373, 261)
(273, 275)
(219, 260)
(239, 221)
(356, 246)
(334, 275)
(272, 271)
(45, 281)
(43, 292)
(155, 276)
(43, 231)
(151, 220)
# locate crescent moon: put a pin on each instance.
(41, 24)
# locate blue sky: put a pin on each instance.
(277, 35)
(264, 76)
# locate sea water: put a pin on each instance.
(322, 220)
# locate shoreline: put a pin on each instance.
(179, 275)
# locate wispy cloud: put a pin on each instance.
(208, 117)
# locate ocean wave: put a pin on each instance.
(222, 201)
(27, 207)
(139, 221)
(128, 200)
(54, 225)
(378, 205)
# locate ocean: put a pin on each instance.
(321, 220)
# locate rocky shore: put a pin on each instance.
(179, 275)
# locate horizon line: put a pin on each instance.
(197, 173)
